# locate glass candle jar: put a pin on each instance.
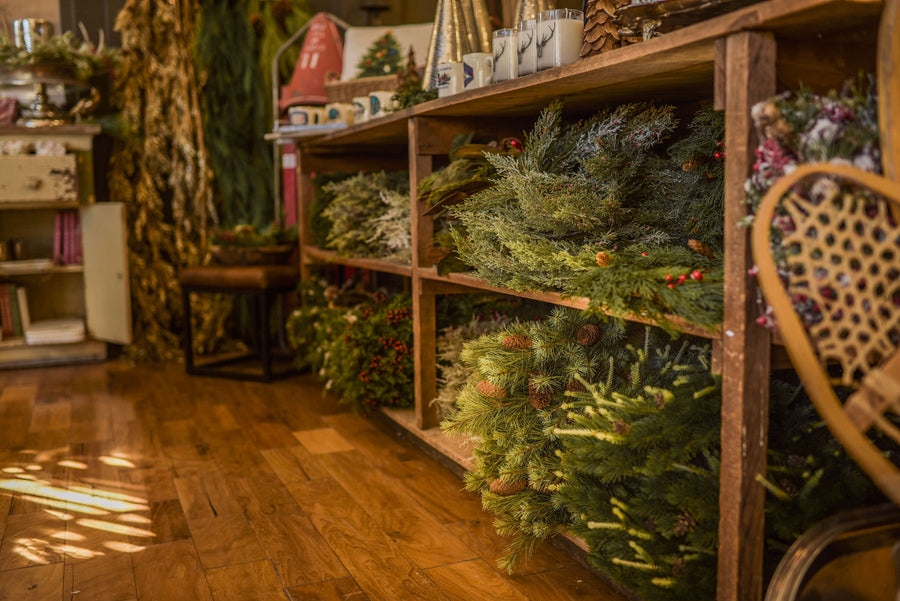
(527, 47)
(506, 54)
(560, 37)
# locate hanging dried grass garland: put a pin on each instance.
(160, 172)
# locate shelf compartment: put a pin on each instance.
(30, 267)
(555, 298)
(15, 353)
(318, 255)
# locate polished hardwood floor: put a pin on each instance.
(120, 482)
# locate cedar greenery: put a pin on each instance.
(582, 193)
(370, 216)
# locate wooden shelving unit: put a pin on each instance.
(33, 188)
(735, 60)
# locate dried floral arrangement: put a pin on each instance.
(602, 209)
(796, 128)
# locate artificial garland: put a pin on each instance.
(370, 216)
(359, 344)
(519, 376)
(592, 209)
(614, 435)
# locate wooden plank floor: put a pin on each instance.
(121, 483)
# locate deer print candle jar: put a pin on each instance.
(506, 54)
(560, 37)
(527, 42)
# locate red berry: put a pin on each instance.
(682, 278)
(668, 278)
(671, 286)
(761, 320)
(643, 254)
(697, 275)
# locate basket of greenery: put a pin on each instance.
(246, 245)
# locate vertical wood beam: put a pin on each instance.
(749, 76)
(423, 301)
(304, 201)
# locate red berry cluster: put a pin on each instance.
(396, 315)
(671, 281)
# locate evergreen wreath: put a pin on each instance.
(370, 216)
(592, 209)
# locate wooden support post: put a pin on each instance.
(424, 316)
(749, 76)
(304, 200)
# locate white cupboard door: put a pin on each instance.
(106, 288)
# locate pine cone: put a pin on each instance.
(621, 427)
(517, 342)
(678, 567)
(576, 386)
(684, 524)
(540, 400)
(499, 487)
(600, 33)
(603, 259)
(490, 390)
(701, 248)
(588, 335)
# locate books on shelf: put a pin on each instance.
(67, 238)
(55, 331)
(14, 314)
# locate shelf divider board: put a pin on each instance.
(749, 77)
(423, 300)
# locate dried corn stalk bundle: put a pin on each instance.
(160, 172)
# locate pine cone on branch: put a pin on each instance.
(538, 399)
(600, 33)
(499, 487)
(490, 390)
(517, 342)
(588, 335)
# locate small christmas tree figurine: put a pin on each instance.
(382, 58)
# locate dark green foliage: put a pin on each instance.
(233, 107)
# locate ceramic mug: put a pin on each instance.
(360, 109)
(478, 69)
(381, 103)
(339, 112)
(449, 79)
(305, 115)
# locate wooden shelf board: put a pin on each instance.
(51, 130)
(31, 205)
(330, 256)
(557, 299)
(41, 270)
(15, 353)
(390, 130)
